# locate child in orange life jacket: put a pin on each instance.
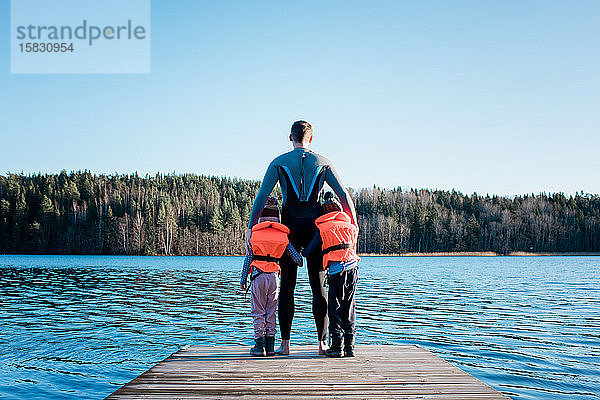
(337, 237)
(268, 243)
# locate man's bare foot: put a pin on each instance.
(322, 347)
(284, 348)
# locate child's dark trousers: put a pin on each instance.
(342, 287)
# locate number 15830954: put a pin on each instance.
(46, 47)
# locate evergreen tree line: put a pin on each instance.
(82, 213)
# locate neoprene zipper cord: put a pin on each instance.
(302, 177)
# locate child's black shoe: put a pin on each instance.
(336, 347)
(349, 345)
(270, 345)
(259, 347)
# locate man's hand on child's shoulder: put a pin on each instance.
(243, 286)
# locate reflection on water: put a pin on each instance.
(80, 327)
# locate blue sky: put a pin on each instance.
(493, 97)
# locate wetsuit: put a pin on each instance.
(301, 175)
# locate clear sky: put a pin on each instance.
(495, 97)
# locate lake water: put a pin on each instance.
(81, 326)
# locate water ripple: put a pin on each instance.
(80, 327)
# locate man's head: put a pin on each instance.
(301, 133)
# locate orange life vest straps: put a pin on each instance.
(267, 258)
(341, 246)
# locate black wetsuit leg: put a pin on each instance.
(302, 231)
(316, 277)
(285, 308)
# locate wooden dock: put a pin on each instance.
(378, 372)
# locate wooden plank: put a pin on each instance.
(378, 372)
(332, 396)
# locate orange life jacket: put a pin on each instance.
(339, 237)
(268, 240)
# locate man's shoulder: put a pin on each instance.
(281, 159)
(320, 159)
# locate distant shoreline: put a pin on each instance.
(434, 254)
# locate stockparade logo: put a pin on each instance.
(80, 36)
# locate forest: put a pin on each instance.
(84, 213)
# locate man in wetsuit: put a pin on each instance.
(301, 175)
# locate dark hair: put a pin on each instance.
(330, 204)
(300, 131)
(271, 208)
